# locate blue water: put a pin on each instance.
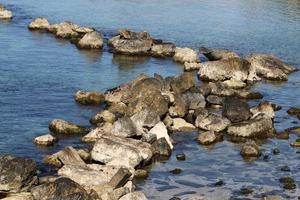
(39, 75)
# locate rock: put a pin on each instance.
(124, 127)
(296, 143)
(218, 54)
(160, 130)
(45, 140)
(264, 107)
(214, 100)
(213, 122)
(221, 70)
(91, 40)
(288, 183)
(17, 174)
(60, 126)
(220, 90)
(140, 173)
(118, 151)
(88, 176)
(236, 110)
(163, 49)
(119, 109)
(270, 67)
(250, 149)
(5, 14)
(131, 43)
(19, 196)
(134, 196)
(103, 116)
(66, 30)
(168, 121)
(249, 95)
(84, 154)
(149, 138)
(176, 171)
(89, 98)
(180, 107)
(145, 119)
(39, 24)
(207, 137)
(190, 66)
(120, 178)
(184, 55)
(182, 82)
(234, 84)
(272, 198)
(115, 194)
(285, 168)
(276, 151)
(293, 111)
(194, 100)
(61, 189)
(261, 126)
(181, 125)
(283, 135)
(161, 148)
(96, 133)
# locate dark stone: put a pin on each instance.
(276, 151)
(176, 171)
(285, 168)
(288, 183)
(293, 111)
(236, 110)
(219, 183)
(246, 190)
(180, 157)
(183, 82)
(161, 148)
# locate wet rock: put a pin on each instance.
(60, 126)
(270, 67)
(134, 196)
(293, 111)
(213, 122)
(218, 54)
(272, 198)
(84, 154)
(91, 40)
(145, 119)
(5, 14)
(119, 151)
(264, 107)
(246, 190)
(236, 110)
(66, 30)
(180, 107)
(234, 84)
(89, 98)
(124, 127)
(180, 157)
(249, 95)
(260, 126)
(140, 173)
(276, 151)
(285, 168)
(221, 70)
(288, 183)
(163, 49)
(131, 43)
(194, 100)
(283, 135)
(220, 90)
(181, 125)
(296, 143)
(45, 140)
(183, 55)
(176, 171)
(39, 24)
(188, 66)
(160, 130)
(207, 138)
(161, 148)
(118, 109)
(182, 82)
(149, 138)
(103, 116)
(62, 188)
(214, 100)
(96, 133)
(17, 174)
(250, 149)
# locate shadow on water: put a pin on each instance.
(127, 62)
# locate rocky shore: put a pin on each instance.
(135, 127)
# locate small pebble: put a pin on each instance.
(180, 157)
(176, 171)
(285, 168)
(276, 151)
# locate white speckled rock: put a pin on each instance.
(183, 55)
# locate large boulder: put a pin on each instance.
(60, 126)
(236, 110)
(60, 189)
(218, 54)
(221, 70)
(260, 126)
(132, 43)
(194, 100)
(212, 122)
(91, 40)
(183, 55)
(119, 151)
(39, 24)
(163, 49)
(270, 67)
(161, 148)
(89, 98)
(17, 174)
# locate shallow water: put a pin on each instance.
(39, 75)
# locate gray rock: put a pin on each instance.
(236, 110)
(45, 140)
(218, 54)
(250, 149)
(103, 116)
(39, 24)
(91, 40)
(160, 131)
(183, 55)
(180, 125)
(145, 119)
(214, 100)
(264, 107)
(161, 148)
(17, 174)
(194, 100)
(60, 126)
(180, 107)
(89, 98)
(96, 133)
(124, 127)
(212, 122)
(182, 82)
(207, 137)
(66, 30)
(163, 49)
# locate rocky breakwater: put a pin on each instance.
(5, 14)
(82, 37)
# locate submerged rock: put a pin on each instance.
(89, 98)
(62, 188)
(218, 54)
(236, 110)
(184, 55)
(207, 137)
(45, 140)
(288, 183)
(132, 43)
(39, 24)
(60, 126)
(250, 149)
(212, 122)
(17, 174)
(270, 67)
(91, 40)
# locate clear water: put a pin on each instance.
(39, 75)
